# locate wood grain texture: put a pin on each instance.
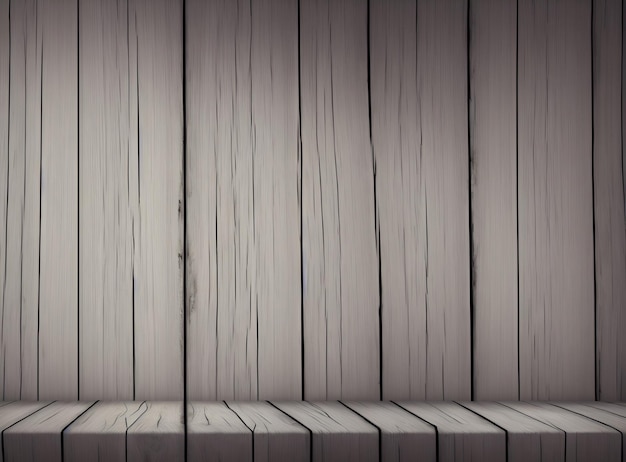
(443, 95)
(221, 269)
(158, 434)
(400, 196)
(493, 145)
(100, 433)
(556, 281)
(20, 262)
(339, 231)
(12, 413)
(58, 284)
(158, 228)
(337, 433)
(39, 436)
(615, 408)
(403, 437)
(216, 433)
(276, 435)
(585, 440)
(243, 201)
(108, 213)
(609, 206)
(526, 438)
(5, 71)
(461, 434)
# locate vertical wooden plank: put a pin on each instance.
(556, 286)
(443, 98)
(58, 309)
(400, 196)
(339, 248)
(20, 281)
(158, 434)
(158, 227)
(38, 437)
(221, 271)
(106, 215)
(276, 193)
(610, 224)
(493, 140)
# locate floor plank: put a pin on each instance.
(615, 408)
(527, 438)
(585, 439)
(556, 280)
(100, 433)
(403, 437)
(13, 412)
(58, 284)
(216, 433)
(493, 153)
(462, 435)
(339, 241)
(39, 436)
(337, 432)
(158, 434)
(609, 205)
(276, 436)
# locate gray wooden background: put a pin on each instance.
(319, 199)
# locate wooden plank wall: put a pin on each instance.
(314, 199)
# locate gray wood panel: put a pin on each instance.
(58, 265)
(14, 412)
(157, 56)
(493, 157)
(609, 206)
(158, 434)
(276, 435)
(400, 196)
(461, 434)
(556, 281)
(337, 433)
(243, 210)
(339, 231)
(615, 408)
(216, 433)
(403, 436)
(100, 433)
(38, 438)
(19, 245)
(108, 185)
(585, 440)
(527, 439)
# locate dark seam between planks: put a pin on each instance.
(517, 185)
(300, 160)
(380, 433)
(22, 218)
(302, 425)
(506, 433)
(77, 205)
(470, 162)
(242, 421)
(184, 102)
(597, 384)
(74, 419)
(427, 423)
(15, 423)
(40, 195)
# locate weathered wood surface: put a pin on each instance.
(276, 435)
(586, 440)
(12, 413)
(58, 258)
(158, 434)
(109, 222)
(337, 433)
(461, 434)
(243, 273)
(339, 231)
(214, 432)
(403, 436)
(493, 158)
(556, 280)
(38, 437)
(526, 438)
(609, 205)
(100, 433)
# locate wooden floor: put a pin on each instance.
(312, 431)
